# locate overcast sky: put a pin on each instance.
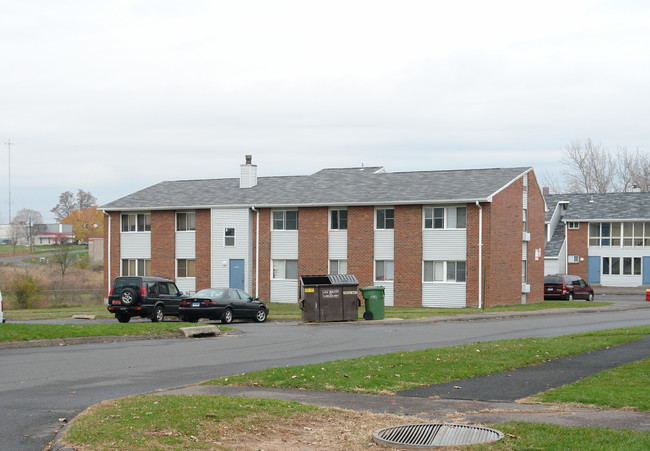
(114, 96)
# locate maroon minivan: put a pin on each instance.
(568, 287)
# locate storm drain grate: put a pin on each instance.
(434, 435)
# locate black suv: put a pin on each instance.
(147, 297)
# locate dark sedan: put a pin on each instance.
(223, 304)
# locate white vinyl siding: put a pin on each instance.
(284, 291)
(621, 279)
(135, 245)
(444, 295)
(186, 244)
(242, 220)
(337, 245)
(384, 244)
(444, 244)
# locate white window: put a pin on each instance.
(185, 221)
(136, 222)
(136, 267)
(185, 267)
(338, 266)
(573, 225)
(285, 269)
(339, 219)
(384, 270)
(445, 217)
(385, 218)
(444, 271)
(285, 220)
(574, 259)
(229, 236)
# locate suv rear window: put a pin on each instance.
(122, 282)
(553, 280)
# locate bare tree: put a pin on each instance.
(634, 170)
(27, 220)
(15, 233)
(591, 168)
(64, 258)
(68, 202)
(65, 206)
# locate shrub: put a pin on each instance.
(25, 288)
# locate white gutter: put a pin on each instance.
(480, 255)
(257, 252)
(109, 250)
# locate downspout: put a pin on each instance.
(480, 255)
(109, 250)
(566, 253)
(257, 252)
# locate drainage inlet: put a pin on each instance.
(434, 435)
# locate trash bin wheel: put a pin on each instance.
(367, 315)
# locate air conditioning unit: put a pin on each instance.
(525, 288)
(526, 236)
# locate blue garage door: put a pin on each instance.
(593, 270)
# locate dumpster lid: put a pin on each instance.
(329, 279)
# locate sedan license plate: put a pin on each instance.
(196, 304)
(550, 289)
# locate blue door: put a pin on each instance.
(593, 270)
(646, 271)
(237, 273)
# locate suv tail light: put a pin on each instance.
(111, 292)
(143, 291)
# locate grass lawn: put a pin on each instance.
(26, 332)
(217, 422)
(390, 373)
(9, 249)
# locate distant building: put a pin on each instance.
(53, 234)
(603, 238)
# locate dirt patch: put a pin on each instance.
(332, 430)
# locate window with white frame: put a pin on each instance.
(339, 219)
(573, 225)
(338, 266)
(136, 222)
(384, 270)
(285, 220)
(285, 269)
(573, 259)
(619, 234)
(626, 266)
(444, 271)
(229, 236)
(445, 217)
(385, 218)
(185, 221)
(136, 267)
(185, 267)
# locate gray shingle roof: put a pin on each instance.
(337, 186)
(609, 206)
(553, 247)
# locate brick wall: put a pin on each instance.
(537, 241)
(265, 255)
(203, 245)
(361, 244)
(472, 260)
(163, 244)
(577, 244)
(408, 255)
(312, 241)
(504, 247)
(112, 254)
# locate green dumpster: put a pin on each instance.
(374, 297)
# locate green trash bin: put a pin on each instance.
(374, 297)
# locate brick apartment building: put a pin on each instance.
(603, 238)
(451, 238)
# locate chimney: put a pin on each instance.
(248, 177)
(546, 190)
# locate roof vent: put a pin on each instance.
(248, 177)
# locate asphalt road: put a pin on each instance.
(39, 386)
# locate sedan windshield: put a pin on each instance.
(209, 293)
